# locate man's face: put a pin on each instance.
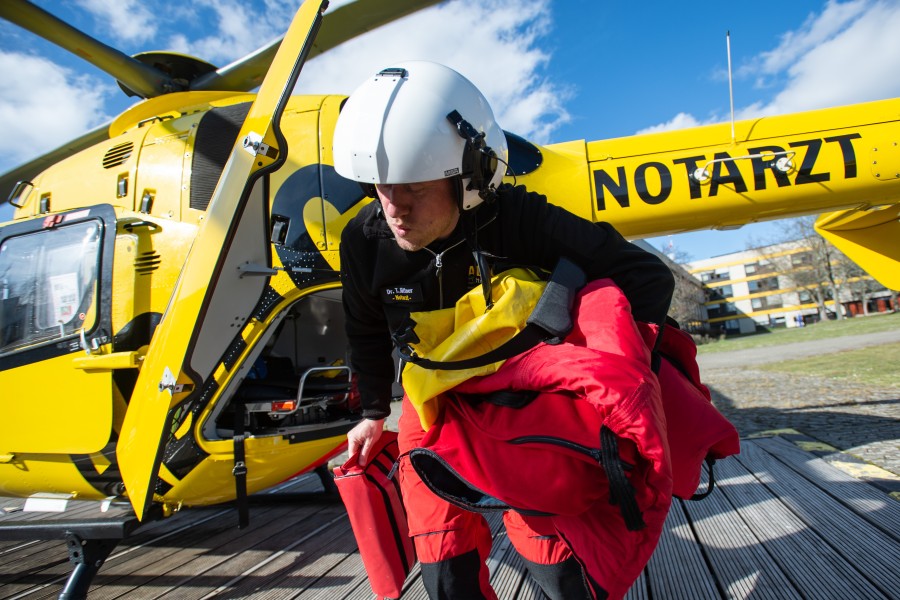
(419, 213)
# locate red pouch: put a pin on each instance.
(377, 517)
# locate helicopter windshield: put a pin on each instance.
(48, 283)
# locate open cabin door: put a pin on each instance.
(212, 299)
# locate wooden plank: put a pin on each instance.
(299, 567)
(854, 541)
(238, 561)
(814, 568)
(152, 550)
(162, 565)
(45, 563)
(782, 524)
(530, 590)
(354, 583)
(151, 540)
(509, 572)
(677, 570)
(860, 497)
(47, 576)
(639, 590)
(742, 566)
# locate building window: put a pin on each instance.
(763, 285)
(759, 268)
(801, 258)
(717, 275)
(720, 293)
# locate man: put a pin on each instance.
(424, 141)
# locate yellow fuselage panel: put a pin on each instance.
(28, 474)
(101, 174)
(870, 238)
(164, 170)
(698, 178)
(563, 177)
(148, 259)
(171, 106)
(270, 461)
(51, 407)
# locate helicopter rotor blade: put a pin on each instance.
(142, 79)
(343, 24)
(339, 26)
(242, 75)
(362, 16)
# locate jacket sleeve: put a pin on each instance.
(545, 232)
(366, 327)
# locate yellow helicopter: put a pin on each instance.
(171, 323)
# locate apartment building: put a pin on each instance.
(779, 286)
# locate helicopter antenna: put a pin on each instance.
(730, 88)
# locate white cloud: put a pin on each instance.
(43, 105)
(845, 55)
(495, 44)
(852, 65)
(679, 121)
(237, 28)
(124, 20)
(815, 31)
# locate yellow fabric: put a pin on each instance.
(467, 331)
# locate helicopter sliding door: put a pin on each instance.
(55, 281)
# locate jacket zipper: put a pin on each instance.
(554, 441)
(594, 453)
(439, 262)
(438, 269)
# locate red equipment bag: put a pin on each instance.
(374, 506)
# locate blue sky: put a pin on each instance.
(554, 70)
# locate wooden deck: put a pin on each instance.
(782, 524)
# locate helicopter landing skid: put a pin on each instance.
(91, 530)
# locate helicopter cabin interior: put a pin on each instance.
(298, 376)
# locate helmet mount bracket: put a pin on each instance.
(479, 161)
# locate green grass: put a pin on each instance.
(874, 365)
(819, 331)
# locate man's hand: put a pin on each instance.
(362, 437)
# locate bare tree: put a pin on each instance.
(688, 296)
(860, 285)
(812, 264)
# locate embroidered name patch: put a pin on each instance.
(402, 294)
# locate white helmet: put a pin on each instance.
(421, 121)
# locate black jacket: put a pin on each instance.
(384, 283)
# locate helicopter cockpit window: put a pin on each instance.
(48, 285)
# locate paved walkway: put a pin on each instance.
(757, 356)
(861, 420)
